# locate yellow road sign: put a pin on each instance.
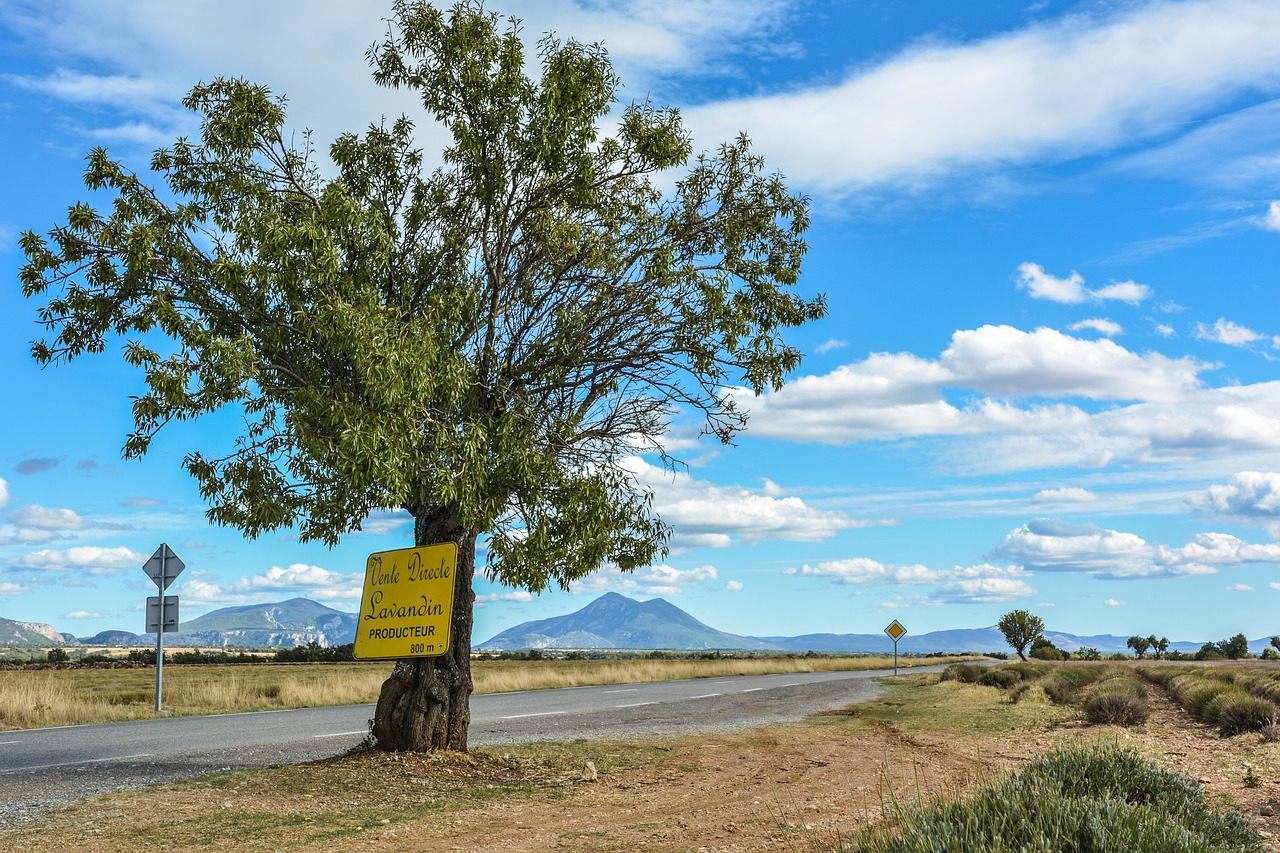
(407, 605)
(895, 631)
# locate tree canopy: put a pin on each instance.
(481, 343)
(1020, 629)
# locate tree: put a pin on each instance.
(1044, 649)
(1139, 645)
(1235, 648)
(57, 656)
(485, 345)
(1275, 643)
(1161, 645)
(1020, 630)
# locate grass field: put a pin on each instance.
(62, 697)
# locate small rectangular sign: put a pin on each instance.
(407, 606)
(170, 614)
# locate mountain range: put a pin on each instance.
(612, 621)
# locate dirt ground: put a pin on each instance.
(799, 787)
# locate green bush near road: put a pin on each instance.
(1095, 798)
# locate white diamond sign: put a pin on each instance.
(163, 567)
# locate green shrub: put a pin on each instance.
(1118, 701)
(1099, 798)
(965, 673)
(1237, 712)
(1002, 678)
(1029, 671)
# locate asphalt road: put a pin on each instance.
(41, 768)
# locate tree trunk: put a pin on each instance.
(426, 702)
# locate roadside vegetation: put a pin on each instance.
(1101, 693)
(1078, 798)
(1234, 700)
(67, 694)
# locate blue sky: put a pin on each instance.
(1048, 378)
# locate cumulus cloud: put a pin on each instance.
(1249, 495)
(1239, 587)
(1071, 290)
(10, 588)
(901, 395)
(981, 583)
(660, 580)
(297, 579)
(91, 559)
(1111, 602)
(1101, 325)
(89, 614)
(733, 586)
(709, 515)
(1226, 332)
(4, 493)
(1049, 545)
(47, 518)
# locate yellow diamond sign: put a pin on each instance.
(895, 631)
(407, 605)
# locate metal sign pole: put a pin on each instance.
(895, 657)
(164, 554)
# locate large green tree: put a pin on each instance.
(481, 344)
(1020, 629)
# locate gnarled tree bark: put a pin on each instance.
(425, 704)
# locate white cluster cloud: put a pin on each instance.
(91, 559)
(47, 518)
(1101, 325)
(1226, 332)
(4, 492)
(297, 579)
(1249, 495)
(894, 396)
(1049, 545)
(518, 595)
(1071, 290)
(981, 583)
(659, 580)
(709, 515)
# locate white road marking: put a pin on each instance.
(542, 714)
(625, 690)
(344, 734)
(8, 742)
(74, 763)
(635, 705)
(752, 689)
(703, 696)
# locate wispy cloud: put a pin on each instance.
(1071, 290)
(1075, 86)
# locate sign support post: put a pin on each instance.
(163, 567)
(896, 632)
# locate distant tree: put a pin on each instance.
(1043, 649)
(1161, 646)
(1087, 653)
(58, 656)
(1209, 651)
(1235, 648)
(1139, 645)
(1020, 630)
(1270, 654)
(1275, 643)
(484, 345)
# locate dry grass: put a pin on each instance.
(64, 697)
